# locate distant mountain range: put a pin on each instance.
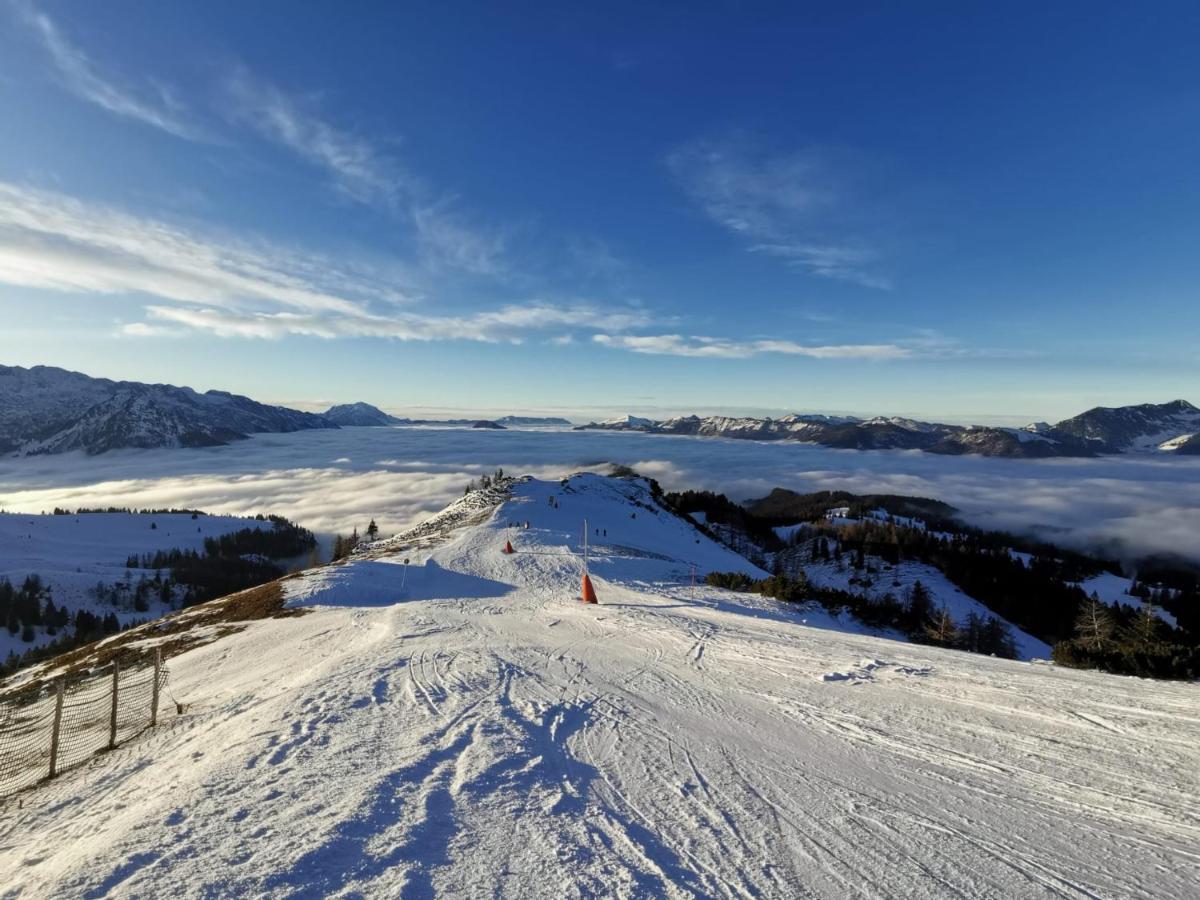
(359, 415)
(1163, 428)
(50, 410)
(364, 414)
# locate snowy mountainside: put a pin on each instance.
(1147, 427)
(73, 553)
(898, 580)
(629, 533)
(49, 410)
(463, 726)
(1115, 590)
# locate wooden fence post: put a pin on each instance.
(112, 719)
(58, 705)
(154, 695)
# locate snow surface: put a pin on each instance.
(481, 733)
(1175, 443)
(72, 553)
(786, 532)
(1028, 435)
(1114, 590)
(898, 581)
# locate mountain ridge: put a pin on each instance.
(45, 410)
(1172, 427)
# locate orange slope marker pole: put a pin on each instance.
(588, 594)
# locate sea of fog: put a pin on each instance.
(335, 480)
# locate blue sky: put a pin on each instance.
(927, 209)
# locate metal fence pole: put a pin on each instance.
(112, 719)
(58, 705)
(154, 694)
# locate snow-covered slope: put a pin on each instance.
(898, 580)
(1114, 590)
(73, 553)
(463, 726)
(1146, 428)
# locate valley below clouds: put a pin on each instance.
(332, 481)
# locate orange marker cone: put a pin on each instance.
(589, 592)
(508, 547)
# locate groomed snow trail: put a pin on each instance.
(482, 733)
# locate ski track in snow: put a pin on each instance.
(484, 734)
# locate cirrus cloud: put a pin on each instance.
(723, 348)
(792, 206)
(509, 323)
(232, 287)
(80, 75)
(52, 241)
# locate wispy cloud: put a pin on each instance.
(447, 242)
(508, 324)
(233, 287)
(362, 170)
(158, 108)
(50, 240)
(790, 206)
(721, 348)
(357, 167)
(147, 330)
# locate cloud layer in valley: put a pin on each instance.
(336, 480)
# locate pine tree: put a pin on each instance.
(971, 637)
(942, 629)
(1094, 625)
(1146, 623)
(919, 607)
(372, 530)
(997, 639)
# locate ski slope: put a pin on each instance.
(461, 725)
